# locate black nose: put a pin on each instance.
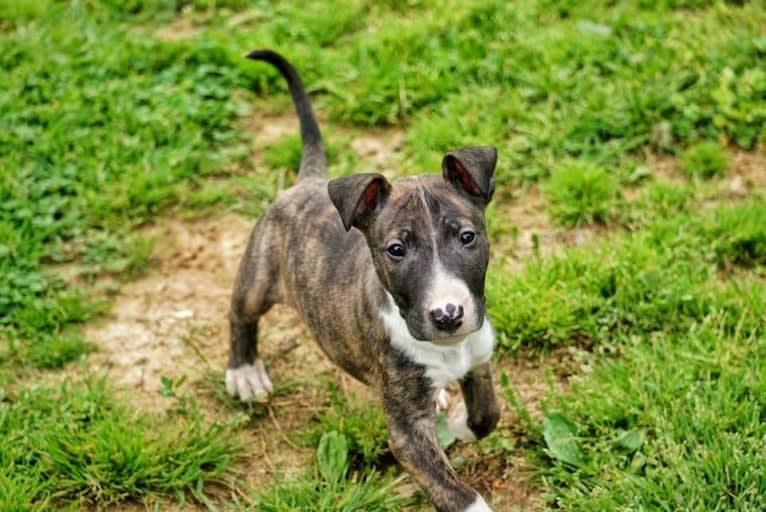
(449, 318)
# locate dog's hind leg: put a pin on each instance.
(253, 296)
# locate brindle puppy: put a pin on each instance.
(397, 302)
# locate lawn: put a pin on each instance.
(628, 230)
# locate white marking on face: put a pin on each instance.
(249, 381)
(443, 363)
(448, 289)
(479, 505)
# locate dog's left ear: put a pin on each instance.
(470, 170)
(358, 198)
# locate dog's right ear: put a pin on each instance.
(358, 197)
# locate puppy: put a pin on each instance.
(389, 278)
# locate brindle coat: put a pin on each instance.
(304, 254)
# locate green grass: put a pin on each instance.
(329, 487)
(362, 424)
(597, 84)
(78, 443)
(580, 195)
(106, 124)
(704, 160)
(657, 280)
(100, 130)
(675, 420)
(690, 406)
(656, 201)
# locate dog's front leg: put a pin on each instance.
(483, 411)
(409, 408)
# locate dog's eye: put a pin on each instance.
(467, 237)
(396, 251)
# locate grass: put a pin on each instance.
(100, 131)
(704, 160)
(362, 425)
(330, 487)
(658, 200)
(78, 444)
(675, 420)
(658, 279)
(580, 195)
(113, 114)
(692, 406)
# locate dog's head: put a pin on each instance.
(428, 240)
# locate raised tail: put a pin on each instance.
(313, 161)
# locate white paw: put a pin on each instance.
(442, 400)
(479, 505)
(249, 382)
(457, 421)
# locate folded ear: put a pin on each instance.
(471, 170)
(358, 197)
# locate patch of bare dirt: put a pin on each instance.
(530, 232)
(268, 128)
(173, 323)
(149, 332)
(747, 171)
(379, 150)
(665, 166)
(181, 28)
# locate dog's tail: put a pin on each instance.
(313, 161)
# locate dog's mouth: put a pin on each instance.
(443, 339)
(450, 340)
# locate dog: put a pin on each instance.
(389, 278)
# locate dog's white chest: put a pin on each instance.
(443, 364)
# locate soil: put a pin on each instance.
(180, 29)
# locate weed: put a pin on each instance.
(738, 235)
(657, 201)
(580, 195)
(330, 487)
(705, 160)
(78, 443)
(362, 424)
